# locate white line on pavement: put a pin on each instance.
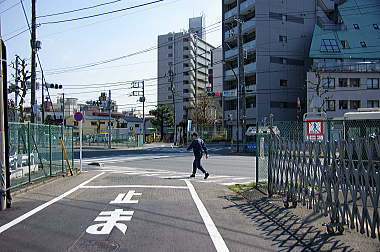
(134, 186)
(216, 238)
(45, 205)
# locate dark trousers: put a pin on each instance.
(197, 164)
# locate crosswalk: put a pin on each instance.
(174, 175)
(122, 159)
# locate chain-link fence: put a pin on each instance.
(119, 138)
(332, 167)
(36, 151)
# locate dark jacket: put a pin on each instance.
(198, 146)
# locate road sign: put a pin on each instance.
(314, 128)
(78, 116)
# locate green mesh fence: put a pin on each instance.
(35, 151)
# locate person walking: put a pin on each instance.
(199, 147)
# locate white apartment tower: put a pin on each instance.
(188, 57)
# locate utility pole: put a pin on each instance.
(63, 109)
(33, 61)
(16, 88)
(241, 82)
(109, 120)
(143, 101)
(43, 99)
(171, 80)
(5, 195)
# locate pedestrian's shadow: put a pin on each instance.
(288, 231)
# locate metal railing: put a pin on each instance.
(36, 152)
(336, 174)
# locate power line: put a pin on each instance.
(101, 14)
(80, 9)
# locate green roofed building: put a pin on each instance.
(345, 50)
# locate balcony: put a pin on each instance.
(247, 5)
(231, 34)
(229, 1)
(188, 95)
(189, 53)
(250, 46)
(250, 68)
(190, 87)
(188, 70)
(249, 25)
(357, 67)
(231, 13)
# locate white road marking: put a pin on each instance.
(126, 198)
(216, 238)
(134, 186)
(45, 205)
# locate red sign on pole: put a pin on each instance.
(78, 116)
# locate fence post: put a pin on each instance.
(62, 157)
(29, 163)
(72, 147)
(50, 151)
(257, 151)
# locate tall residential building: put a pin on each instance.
(188, 56)
(345, 74)
(276, 37)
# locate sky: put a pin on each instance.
(67, 46)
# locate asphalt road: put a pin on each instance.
(221, 162)
(110, 209)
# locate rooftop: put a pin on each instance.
(357, 37)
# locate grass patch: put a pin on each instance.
(239, 188)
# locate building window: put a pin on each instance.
(169, 88)
(283, 38)
(363, 44)
(330, 105)
(170, 39)
(372, 83)
(283, 83)
(354, 82)
(329, 45)
(170, 55)
(170, 63)
(170, 47)
(170, 97)
(93, 124)
(373, 103)
(186, 91)
(345, 44)
(137, 125)
(343, 82)
(376, 26)
(354, 104)
(328, 83)
(356, 26)
(343, 104)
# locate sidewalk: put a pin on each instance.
(297, 228)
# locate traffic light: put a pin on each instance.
(54, 86)
(217, 94)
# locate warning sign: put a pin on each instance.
(314, 129)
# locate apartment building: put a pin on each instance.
(187, 56)
(276, 37)
(345, 74)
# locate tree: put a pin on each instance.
(163, 117)
(23, 77)
(205, 111)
